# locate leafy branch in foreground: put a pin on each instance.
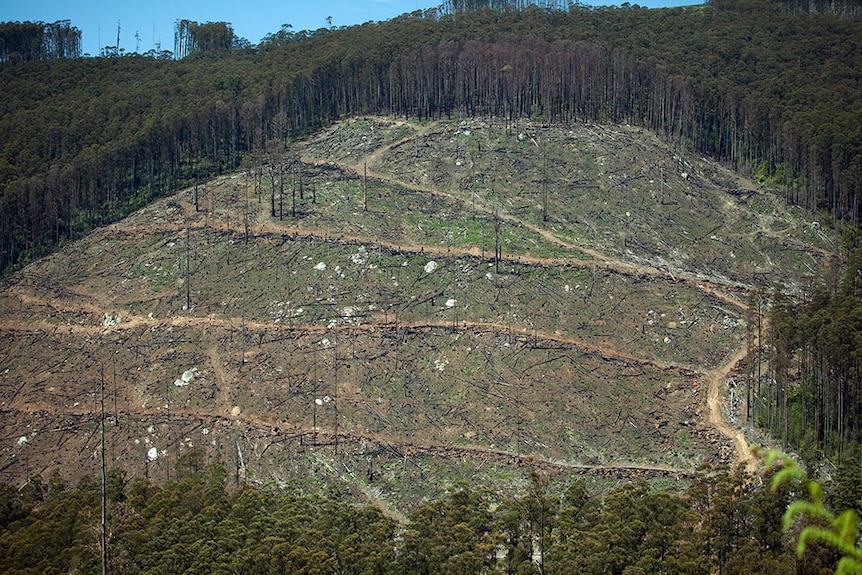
(838, 531)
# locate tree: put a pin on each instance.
(28, 41)
(839, 530)
(451, 536)
(190, 36)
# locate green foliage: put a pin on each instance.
(823, 336)
(453, 535)
(28, 41)
(845, 491)
(635, 530)
(86, 141)
(193, 37)
(198, 525)
(840, 531)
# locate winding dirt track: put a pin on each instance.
(744, 455)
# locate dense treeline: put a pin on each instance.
(28, 41)
(86, 141)
(851, 9)
(454, 6)
(191, 36)
(811, 394)
(844, 9)
(724, 523)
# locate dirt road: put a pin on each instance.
(744, 454)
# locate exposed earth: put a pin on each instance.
(452, 301)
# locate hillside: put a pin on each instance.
(771, 94)
(397, 306)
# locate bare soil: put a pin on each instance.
(453, 301)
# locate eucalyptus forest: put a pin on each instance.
(404, 260)
(194, 525)
(772, 95)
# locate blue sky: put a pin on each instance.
(153, 20)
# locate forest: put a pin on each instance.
(772, 94)
(723, 523)
(30, 41)
(810, 394)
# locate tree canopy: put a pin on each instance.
(772, 93)
(29, 41)
(191, 36)
(724, 523)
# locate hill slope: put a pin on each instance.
(451, 300)
(774, 95)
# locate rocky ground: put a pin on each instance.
(392, 308)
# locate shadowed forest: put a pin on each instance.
(194, 525)
(770, 93)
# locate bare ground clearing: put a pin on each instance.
(447, 332)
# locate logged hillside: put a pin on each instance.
(394, 307)
(475, 271)
(774, 95)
